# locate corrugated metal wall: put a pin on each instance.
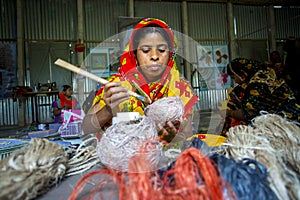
(8, 19)
(50, 20)
(57, 19)
(207, 21)
(287, 22)
(101, 18)
(251, 22)
(167, 11)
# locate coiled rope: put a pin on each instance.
(84, 157)
(32, 170)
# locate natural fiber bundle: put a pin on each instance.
(124, 139)
(165, 109)
(32, 171)
(103, 181)
(143, 181)
(248, 142)
(84, 157)
(195, 177)
(283, 135)
(247, 177)
(191, 176)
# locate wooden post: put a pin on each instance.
(230, 22)
(186, 65)
(131, 8)
(20, 60)
(80, 55)
(272, 29)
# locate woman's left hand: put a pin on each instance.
(167, 132)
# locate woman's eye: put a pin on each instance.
(145, 50)
(162, 50)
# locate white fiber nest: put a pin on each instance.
(124, 139)
(165, 109)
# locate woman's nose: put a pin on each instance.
(154, 55)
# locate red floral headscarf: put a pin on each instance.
(64, 101)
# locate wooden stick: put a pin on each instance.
(87, 74)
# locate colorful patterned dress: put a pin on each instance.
(261, 91)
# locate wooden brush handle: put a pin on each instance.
(87, 74)
(77, 70)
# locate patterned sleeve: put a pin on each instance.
(263, 96)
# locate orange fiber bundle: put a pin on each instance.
(109, 176)
(195, 177)
(143, 185)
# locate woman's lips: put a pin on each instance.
(154, 67)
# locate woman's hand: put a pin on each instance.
(66, 107)
(168, 131)
(114, 94)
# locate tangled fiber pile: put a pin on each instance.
(32, 171)
(274, 142)
(192, 176)
(247, 178)
(257, 162)
(283, 135)
(165, 109)
(122, 140)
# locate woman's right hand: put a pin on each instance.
(114, 94)
(66, 107)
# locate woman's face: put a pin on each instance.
(69, 92)
(152, 56)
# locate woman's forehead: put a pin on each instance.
(152, 38)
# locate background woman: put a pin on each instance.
(66, 101)
(258, 89)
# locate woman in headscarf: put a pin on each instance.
(65, 102)
(241, 71)
(258, 90)
(148, 68)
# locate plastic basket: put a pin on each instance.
(73, 129)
